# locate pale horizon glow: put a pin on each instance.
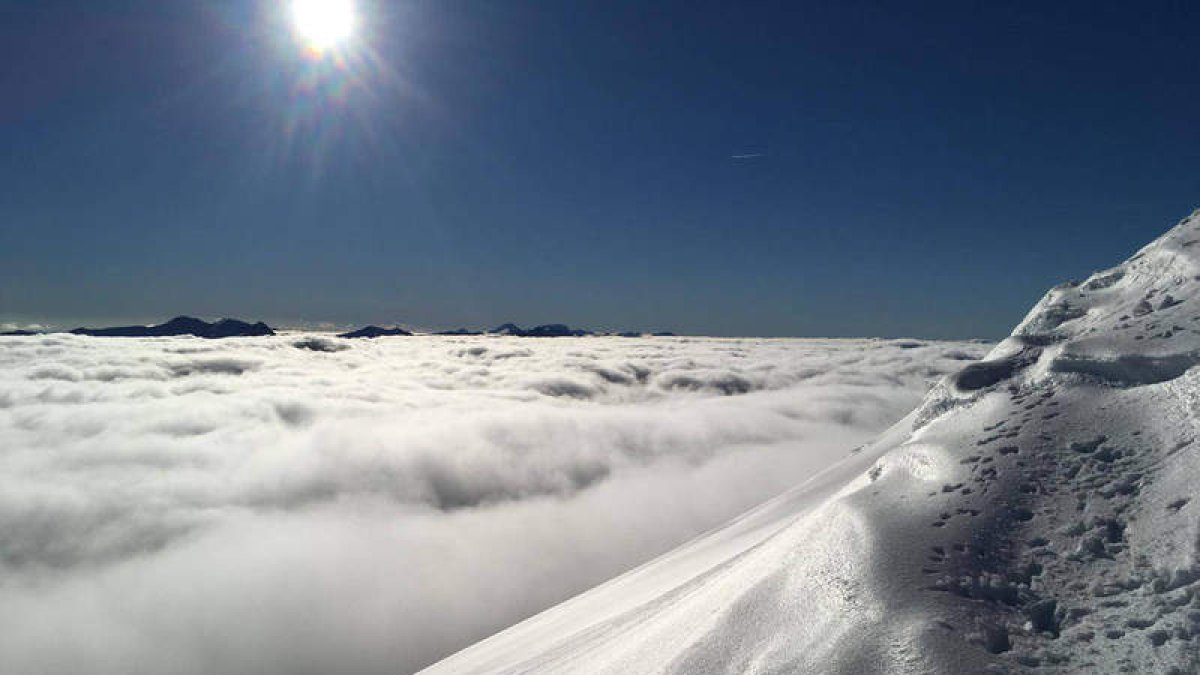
(323, 24)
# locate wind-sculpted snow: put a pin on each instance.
(307, 504)
(1037, 513)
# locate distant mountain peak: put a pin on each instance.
(184, 325)
(374, 332)
(544, 330)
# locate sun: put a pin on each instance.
(323, 24)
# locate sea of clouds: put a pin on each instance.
(306, 504)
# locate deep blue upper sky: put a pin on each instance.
(923, 168)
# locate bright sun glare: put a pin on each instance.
(323, 24)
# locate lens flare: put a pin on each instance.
(322, 25)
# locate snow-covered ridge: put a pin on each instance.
(1126, 325)
(1036, 513)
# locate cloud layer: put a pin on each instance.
(302, 503)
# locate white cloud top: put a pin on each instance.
(303, 503)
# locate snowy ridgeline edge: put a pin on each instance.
(1035, 514)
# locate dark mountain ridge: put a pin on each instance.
(183, 325)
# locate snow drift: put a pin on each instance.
(1036, 513)
(309, 504)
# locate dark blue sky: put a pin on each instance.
(926, 168)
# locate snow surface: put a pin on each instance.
(1036, 513)
(309, 504)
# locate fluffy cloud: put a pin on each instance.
(6, 327)
(302, 503)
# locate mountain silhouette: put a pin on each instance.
(374, 332)
(183, 325)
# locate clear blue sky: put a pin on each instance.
(920, 168)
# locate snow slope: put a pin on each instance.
(1036, 513)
